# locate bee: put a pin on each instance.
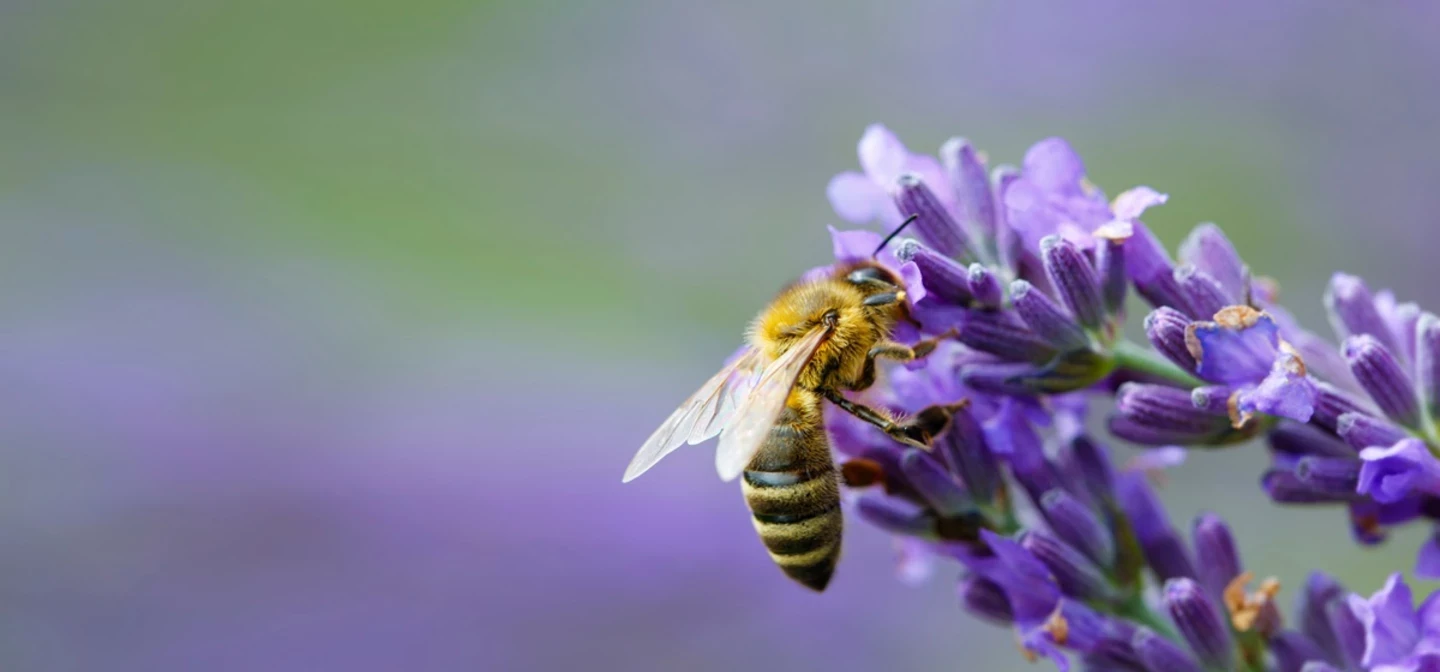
(815, 339)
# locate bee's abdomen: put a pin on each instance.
(793, 492)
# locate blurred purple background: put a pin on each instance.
(329, 329)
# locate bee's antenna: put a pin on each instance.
(894, 233)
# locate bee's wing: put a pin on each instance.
(759, 412)
(701, 416)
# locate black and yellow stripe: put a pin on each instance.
(793, 491)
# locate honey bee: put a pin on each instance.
(814, 340)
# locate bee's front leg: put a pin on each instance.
(896, 351)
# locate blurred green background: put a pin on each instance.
(328, 327)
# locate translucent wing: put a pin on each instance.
(759, 412)
(701, 416)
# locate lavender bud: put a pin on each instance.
(1202, 292)
(944, 277)
(1353, 312)
(1014, 379)
(936, 485)
(986, 287)
(1217, 561)
(1110, 266)
(895, 515)
(965, 451)
(972, 186)
(1285, 487)
(1003, 334)
(1199, 622)
(1146, 413)
(1207, 248)
(1151, 270)
(1213, 399)
(1027, 455)
(1292, 650)
(1293, 438)
(935, 225)
(1427, 361)
(1340, 475)
(1092, 462)
(1348, 630)
(984, 598)
(1161, 655)
(1311, 607)
(1047, 319)
(1078, 526)
(1362, 431)
(1164, 551)
(1331, 402)
(1165, 327)
(1070, 272)
(1076, 574)
(1381, 375)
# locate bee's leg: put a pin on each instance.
(916, 432)
(898, 352)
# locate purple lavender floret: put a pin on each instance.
(1398, 636)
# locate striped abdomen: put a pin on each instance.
(793, 491)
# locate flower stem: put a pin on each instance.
(1135, 609)
(1132, 357)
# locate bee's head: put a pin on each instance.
(880, 286)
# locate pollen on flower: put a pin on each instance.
(1253, 610)
(1238, 317)
(1294, 363)
(1057, 627)
(1117, 231)
(1238, 419)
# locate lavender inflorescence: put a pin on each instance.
(1028, 268)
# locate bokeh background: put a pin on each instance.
(327, 328)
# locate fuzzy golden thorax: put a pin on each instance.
(804, 306)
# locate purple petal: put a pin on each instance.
(1389, 619)
(1427, 561)
(1239, 347)
(1208, 249)
(882, 155)
(1286, 392)
(1390, 474)
(1133, 203)
(856, 198)
(850, 246)
(1054, 166)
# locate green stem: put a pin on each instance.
(1134, 608)
(1132, 357)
